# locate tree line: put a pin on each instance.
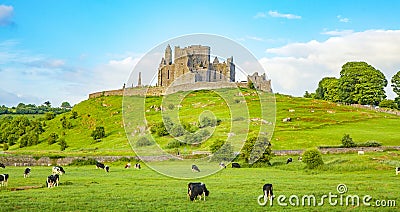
(359, 83)
(22, 108)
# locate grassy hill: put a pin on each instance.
(314, 123)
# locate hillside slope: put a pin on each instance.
(313, 123)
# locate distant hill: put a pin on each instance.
(313, 123)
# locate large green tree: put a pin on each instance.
(361, 83)
(328, 89)
(396, 86)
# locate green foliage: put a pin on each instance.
(65, 105)
(250, 84)
(396, 83)
(143, 141)
(98, 133)
(198, 137)
(222, 151)
(189, 127)
(369, 144)
(308, 95)
(74, 115)
(62, 143)
(159, 129)
(174, 144)
(348, 142)
(171, 106)
(5, 146)
(177, 130)
(83, 162)
(49, 115)
(387, 103)
(206, 121)
(328, 89)
(312, 158)
(217, 145)
(53, 137)
(65, 123)
(361, 83)
(20, 129)
(256, 150)
(28, 139)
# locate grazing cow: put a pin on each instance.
(197, 190)
(58, 170)
(4, 179)
(267, 190)
(195, 168)
(102, 166)
(300, 158)
(52, 180)
(222, 165)
(137, 166)
(397, 170)
(128, 165)
(2, 166)
(360, 152)
(27, 172)
(190, 187)
(288, 119)
(289, 160)
(235, 165)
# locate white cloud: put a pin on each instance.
(6, 13)
(338, 32)
(276, 14)
(342, 19)
(298, 67)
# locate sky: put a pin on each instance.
(63, 50)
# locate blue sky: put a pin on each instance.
(63, 50)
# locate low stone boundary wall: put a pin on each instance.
(336, 150)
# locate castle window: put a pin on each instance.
(220, 74)
(168, 75)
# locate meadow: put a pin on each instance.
(83, 188)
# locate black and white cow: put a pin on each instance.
(128, 166)
(267, 191)
(58, 170)
(289, 160)
(137, 166)
(2, 166)
(222, 165)
(397, 170)
(195, 168)
(102, 166)
(235, 165)
(52, 180)
(4, 179)
(197, 190)
(27, 172)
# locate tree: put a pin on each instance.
(222, 151)
(98, 133)
(387, 103)
(52, 138)
(396, 87)
(47, 103)
(328, 89)
(307, 95)
(348, 142)
(257, 149)
(74, 115)
(49, 115)
(66, 105)
(361, 83)
(312, 158)
(5, 147)
(62, 143)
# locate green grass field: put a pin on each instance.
(83, 188)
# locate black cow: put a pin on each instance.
(289, 160)
(27, 172)
(4, 179)
(190, 187)
(52, 180)
(268, 193)
(197, 190)
(222, 165)
(397, 170)
(2, 166)
(102, 166)
(137, 166)
(58, 170)
(235, 165)
(195, 168)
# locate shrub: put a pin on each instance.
(5, 146)
(177, 130)
(223, 153)
(189, 127)
(370, 144)
(257, 149)
(171, 106)
(52, 138)
(387, 103)
(83, 162)
(143, 141)
(312, 158)
(62, 143)
(49, 115)
(98, 133)
(174, 144)
(347, 141)
(159, 129)
(206, 121)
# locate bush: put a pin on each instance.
(98, 133)
(174, 144)
(387, 103)
(49, 115)
(257, 149)
(312, 158)
(159, 129)
(143, 141)
(62, 143)
(206, 121)
(189, 127)
(177, 130)
(348, 142)
(171, 106)
(223, 153)
(5, 146)
(369, 144)
(83, 162)
(52, 138)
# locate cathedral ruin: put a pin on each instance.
(192, 64)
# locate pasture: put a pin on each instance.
(85, 188)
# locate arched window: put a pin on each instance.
(168, 74)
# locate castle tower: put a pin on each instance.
(168, 55)
(231, 67)
(139, 84)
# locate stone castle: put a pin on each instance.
(191, 69)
